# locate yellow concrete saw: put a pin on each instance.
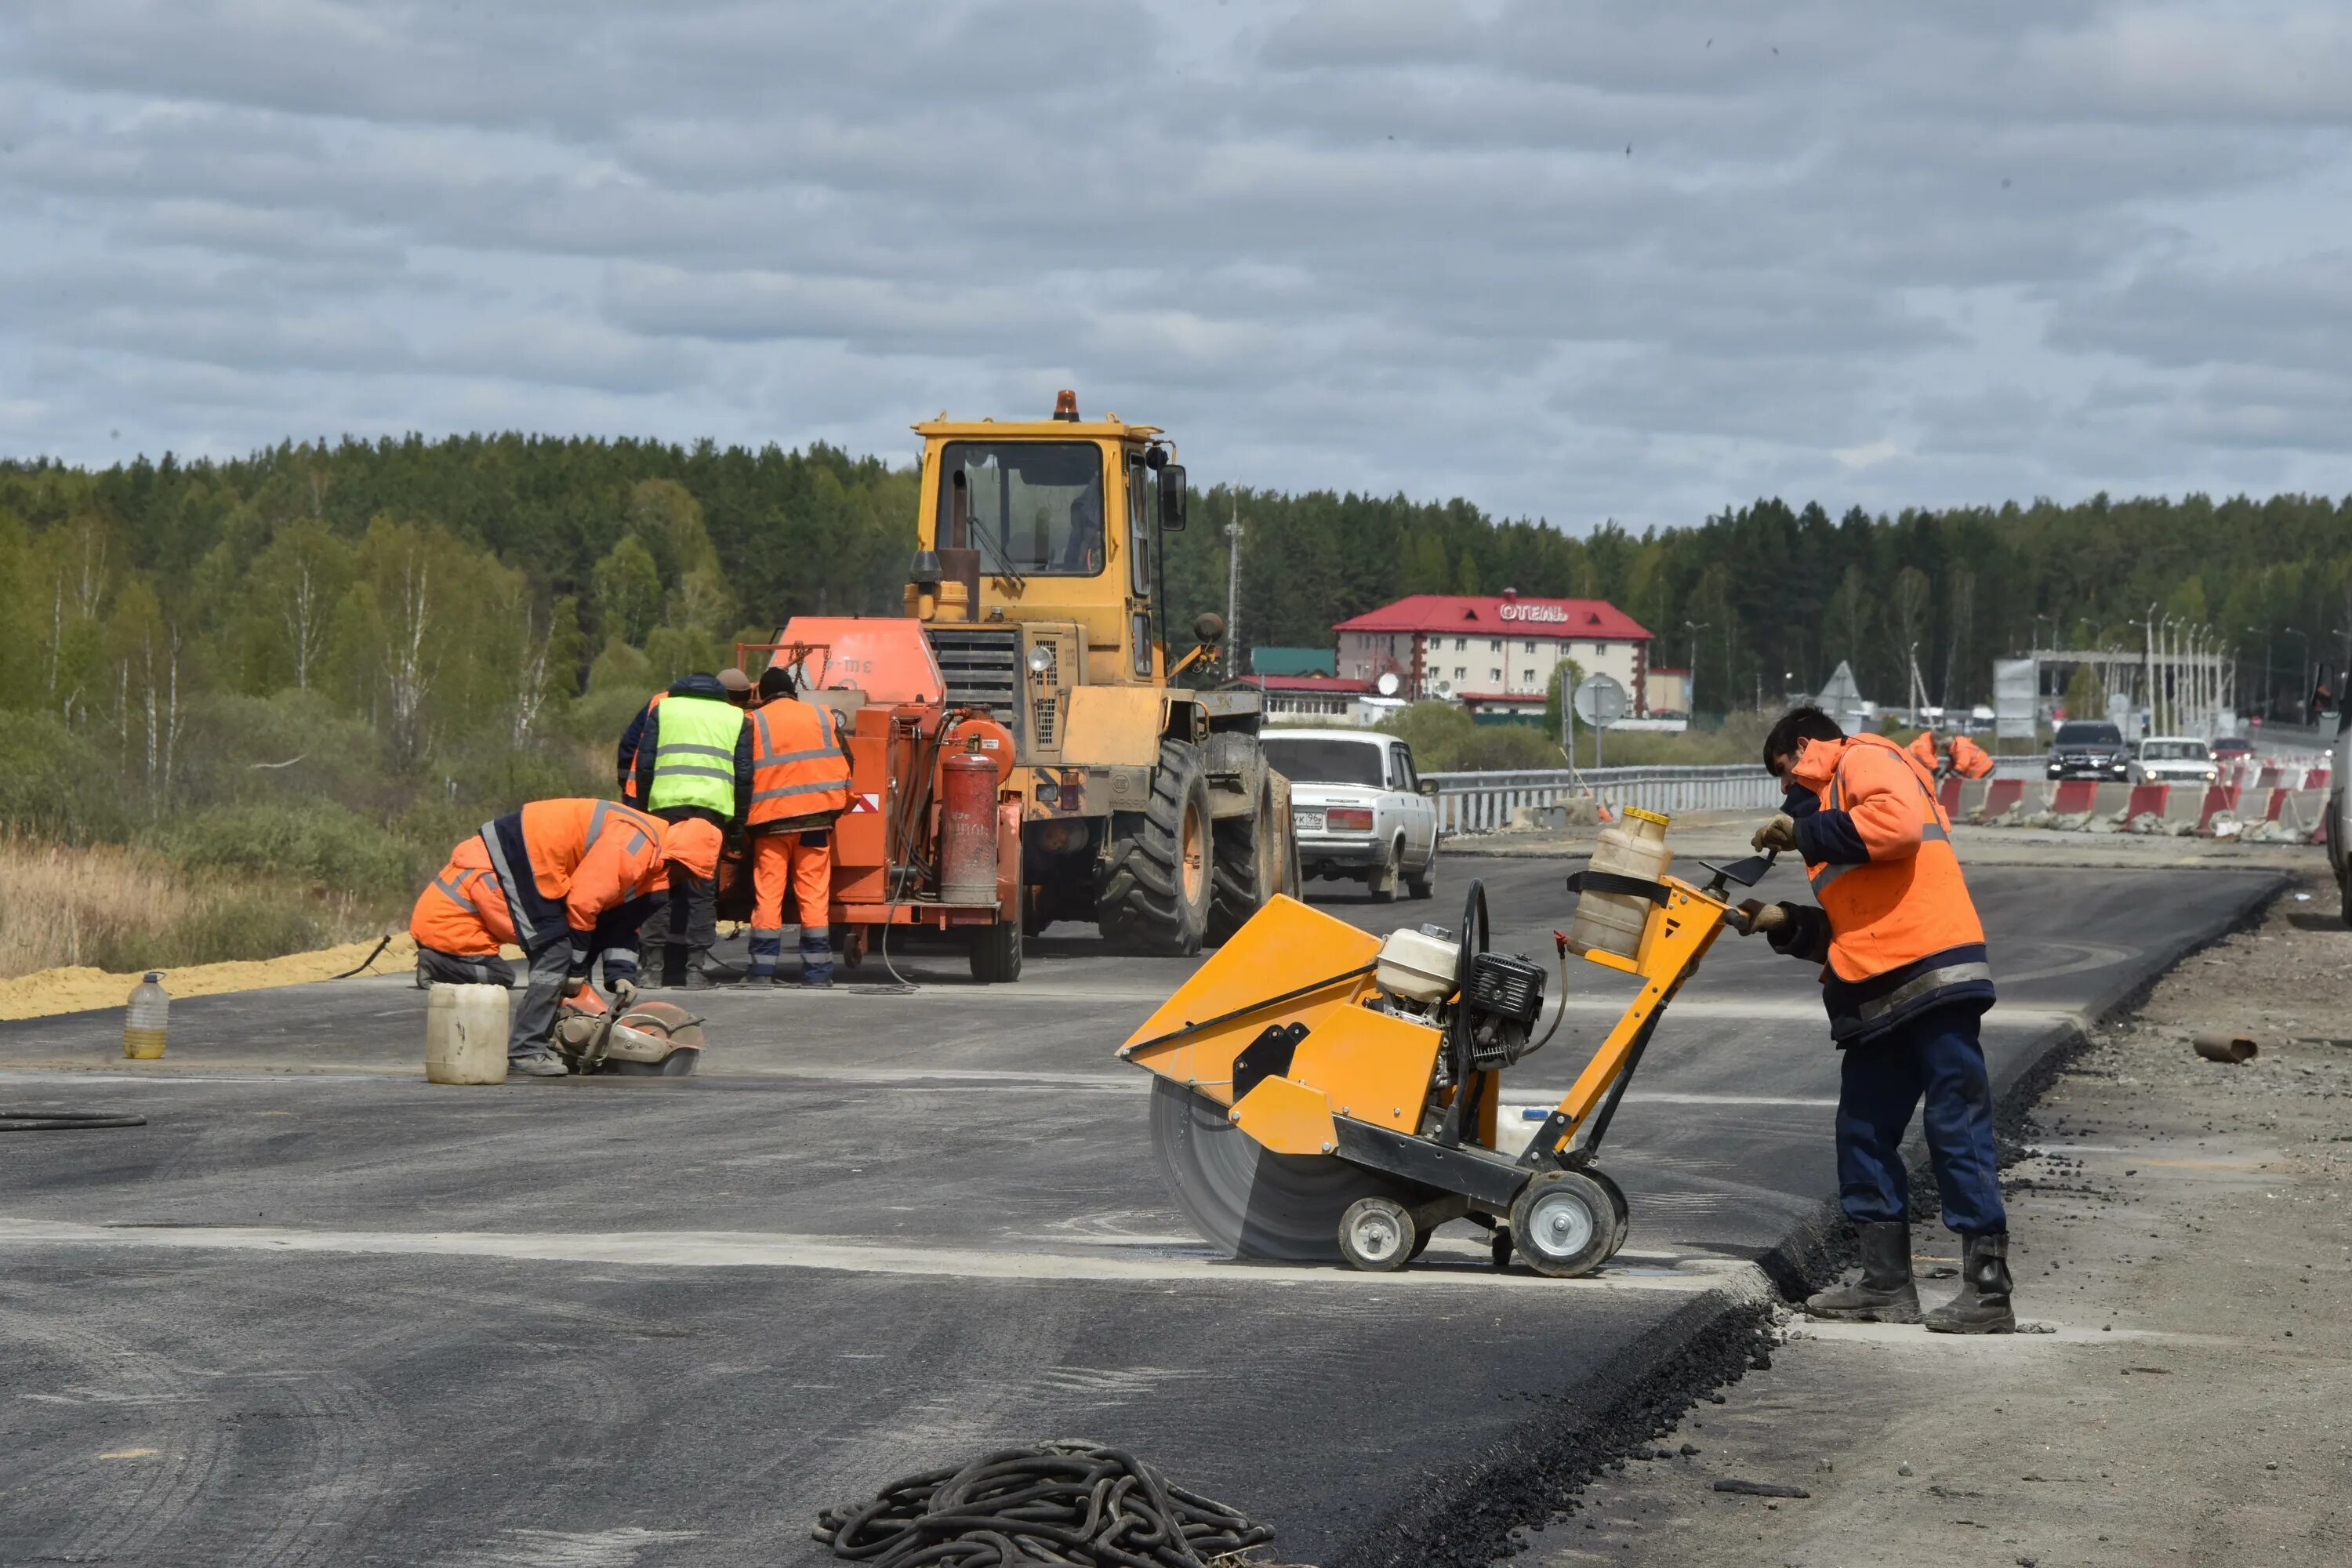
(1347, 1114)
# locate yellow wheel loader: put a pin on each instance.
(1321, 1094)
(1145, 807)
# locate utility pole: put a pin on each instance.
(1690, 677)
(2267, 668)
(1234, 592)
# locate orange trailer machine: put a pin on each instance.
(931, 837)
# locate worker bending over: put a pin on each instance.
(561, 879)
(1963, 756)
(800, 785)
(693, 762)
(1906, 983)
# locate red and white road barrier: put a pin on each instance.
(2226, 809)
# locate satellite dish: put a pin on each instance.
(1599, 700)
(1387, 685)
(1446, 688)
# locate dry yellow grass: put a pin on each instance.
(73, 921)
(65, 906)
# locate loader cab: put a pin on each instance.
(1053, 524)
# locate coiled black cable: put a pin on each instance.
(37, 1121)
(1069, 1502)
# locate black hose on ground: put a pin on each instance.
(30, 1121)
(364, 963)
(1062, 1502)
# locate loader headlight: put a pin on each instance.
(1041, 659)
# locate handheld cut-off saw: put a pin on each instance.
(1345, 1116)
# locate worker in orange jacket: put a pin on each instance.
(800, 785)
(561, 879)
(1906, 983)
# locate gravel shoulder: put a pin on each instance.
(2184, 1244)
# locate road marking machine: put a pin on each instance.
(1321, 1094)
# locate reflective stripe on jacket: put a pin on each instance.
(463, 911)
(561, 864)
(798, 767)
(1896, 930)
(700, 757)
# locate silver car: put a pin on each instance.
(2173, 759)
(1360, 808)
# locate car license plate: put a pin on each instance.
(1307, 822)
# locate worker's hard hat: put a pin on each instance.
(694, 844)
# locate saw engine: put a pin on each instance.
(1346, 1118)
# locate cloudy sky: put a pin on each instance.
(1638, 259)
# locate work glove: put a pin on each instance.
(1757, 917)
(624, 993)
(1780, 833)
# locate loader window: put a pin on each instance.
(1036, 507)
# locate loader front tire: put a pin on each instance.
(1250, 868)
(1157, 895)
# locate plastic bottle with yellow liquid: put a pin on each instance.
(145, 1021)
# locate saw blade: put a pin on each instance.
(1244, 1198)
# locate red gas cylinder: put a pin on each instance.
(967, 829)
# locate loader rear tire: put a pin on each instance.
(1250, 869)
(1157, 895)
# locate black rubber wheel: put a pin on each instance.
(1156, 897)
(1616, 1201)
(996, 953)
(1383, 883)
(1421, 1242)
(1378, 1235)
(1423, 884)
(1249, 868)
(1562, 1222)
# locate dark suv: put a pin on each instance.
(2084, 750)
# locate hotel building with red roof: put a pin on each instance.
(1494, 652)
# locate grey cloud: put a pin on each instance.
(1372, 244)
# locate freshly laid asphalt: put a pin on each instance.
(318, 1310)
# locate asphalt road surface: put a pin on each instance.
(319, 1312)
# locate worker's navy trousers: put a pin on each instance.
(1933, 1056)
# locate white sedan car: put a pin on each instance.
(1359, 808)
(2173, 759)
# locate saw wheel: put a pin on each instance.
(670, 1022)
(1248, 1201)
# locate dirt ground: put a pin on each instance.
(2183, 1253)
(48, 992)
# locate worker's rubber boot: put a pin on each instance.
(1982, 1306)
(1885, 1293)
(674, 969)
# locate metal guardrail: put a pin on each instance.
(1483, 802)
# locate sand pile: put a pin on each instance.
(78, 989)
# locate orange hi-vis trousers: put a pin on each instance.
(782, 861)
